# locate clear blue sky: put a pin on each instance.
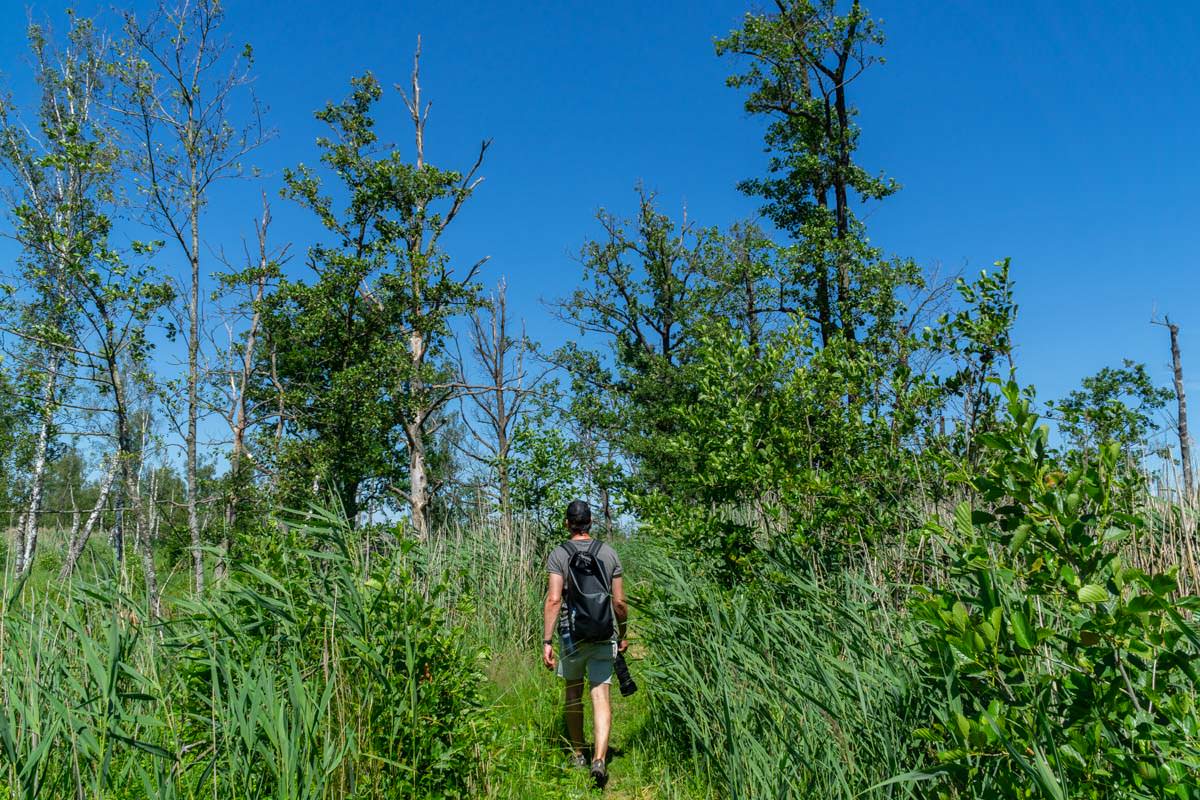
(1060, 134)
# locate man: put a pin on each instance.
(591, 659)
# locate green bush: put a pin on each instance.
(1056, 670)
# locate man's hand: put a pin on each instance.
(548, 656)
(622, 646)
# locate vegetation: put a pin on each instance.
(861, 565)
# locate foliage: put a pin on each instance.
(977, 339)
(799, 65)
(355, 354)
(1054, 664)
(1115, 405)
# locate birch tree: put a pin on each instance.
(183, 79)
(61, 167)
(102, 298)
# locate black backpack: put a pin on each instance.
(589, 596)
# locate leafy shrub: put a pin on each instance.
(1056, 669)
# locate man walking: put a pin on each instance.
(591, 625)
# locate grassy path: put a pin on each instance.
(532, 763)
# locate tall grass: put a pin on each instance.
(789, 691)
(329, 678)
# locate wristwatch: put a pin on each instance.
(547, 641)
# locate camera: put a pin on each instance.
(628, 686)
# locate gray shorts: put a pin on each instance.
(594, 659)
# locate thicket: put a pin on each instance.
(861, 565)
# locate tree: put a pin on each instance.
(359, 355)
(57, 174)
(1117, 404)
(182, 79)
(1181, 420)
(234, 380)
(499, 403)
(431, 293)
(801, 62)
(646, 283)
(102, 299)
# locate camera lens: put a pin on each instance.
(628, 686)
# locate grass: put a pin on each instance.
(323, 674)
(390, 670)
(533, 760)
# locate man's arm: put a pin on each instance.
(550, 617)
(620, 609)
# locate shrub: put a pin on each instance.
(1056, 669)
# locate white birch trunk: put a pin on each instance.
(29, 528)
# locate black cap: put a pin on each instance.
(579, 515)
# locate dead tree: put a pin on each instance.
(237, 374)
(1185, 442)
(497, 395)
(431, 296)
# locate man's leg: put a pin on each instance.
(601, 719)
(574, 713)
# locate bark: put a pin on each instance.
(426, 306)
(129, 460)
(29, 527)
(79, 538)
(193, 379)
(147, 526)
(418, 479)
(1185, 442)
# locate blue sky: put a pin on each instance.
(1059, 134)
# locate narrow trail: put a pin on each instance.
(533, 764)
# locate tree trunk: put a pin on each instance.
(130, 466)
(193, 379)
(821, 268)
(1185, 442)
(29, 527)
(418, 480)
(79, 538)
(841, 177)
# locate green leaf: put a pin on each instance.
(1019, 538)
(1115, 535)
(1093, 593)
(1163, 585)
(1022, 630)
(961, 617)
(1144, 602)
(962, 520)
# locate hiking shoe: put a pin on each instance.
(599, 773)
(579, 760)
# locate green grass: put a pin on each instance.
(531, 760)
